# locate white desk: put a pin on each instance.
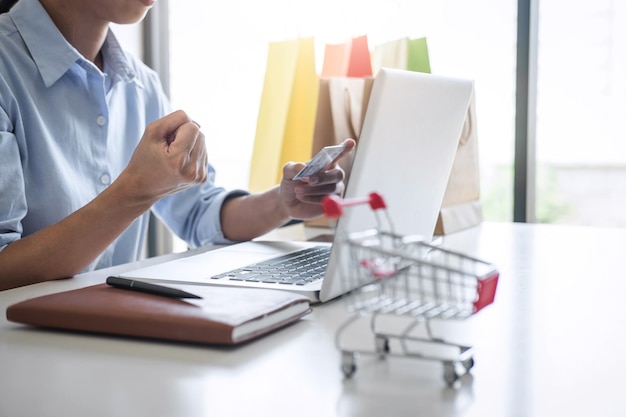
(551, 345)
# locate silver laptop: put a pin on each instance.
(405, 152)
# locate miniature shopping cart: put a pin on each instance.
(395, 275)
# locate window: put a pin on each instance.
(581, 100)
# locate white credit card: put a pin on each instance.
(324, 158)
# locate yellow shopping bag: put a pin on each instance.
(287, 110)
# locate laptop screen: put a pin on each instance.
(405, 153)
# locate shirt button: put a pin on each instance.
(101, 120)
(105, 179)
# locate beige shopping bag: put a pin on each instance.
(461, 206)
(340, 111)
(341, 106)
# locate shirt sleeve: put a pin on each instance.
(194, 214)
(12, 192)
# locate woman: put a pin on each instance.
(88, 145)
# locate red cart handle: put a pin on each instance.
(333, 205)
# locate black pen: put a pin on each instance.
(142, 286)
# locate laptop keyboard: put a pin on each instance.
(296, 268)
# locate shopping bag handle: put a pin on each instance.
(333, 205)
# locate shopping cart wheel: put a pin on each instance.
(468, 364)
(382, 346)
(348, 364)
(449, 373)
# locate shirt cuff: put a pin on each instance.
(220, 199)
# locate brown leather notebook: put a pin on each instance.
(224, 316)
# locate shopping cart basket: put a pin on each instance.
(396, 275)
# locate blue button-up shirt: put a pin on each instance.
(67, 130)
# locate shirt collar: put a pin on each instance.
(51, 52)
(115, 60)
